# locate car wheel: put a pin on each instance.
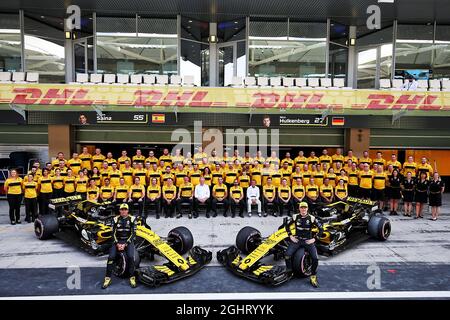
(248, 239)
(121, 264)
(181, 239)
(301, 263)
(45, 226)
(379, 228)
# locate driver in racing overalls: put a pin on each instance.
(123, 232)
(303, 238)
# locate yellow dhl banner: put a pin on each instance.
(267, 98)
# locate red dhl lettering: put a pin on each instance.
(51, 96)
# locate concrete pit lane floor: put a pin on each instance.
(415, 261)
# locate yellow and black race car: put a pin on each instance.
(343, 223)
(91, 223)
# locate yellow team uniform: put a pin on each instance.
(379, 181)
(284, 192)
(153, 191)
(137, 191)
(312, 190)
(187, 190)
(114, 177)
(127, 175)
(220, 190)
(337, 159)
(122, 192)
(341, 191)
(410, 167)
(300, 161)
(326, 159)
(169, 192)
(75, 165)
(379, 162)
(121, 162)
(327, 191)
(92, 192)
(97, 160)
(46, 184)
(298, 190)
(69, 184)
(107, 192)
(427, 168)
(138, 159)
(365, 179)
(256, 175)
(318, 177)
(86, 161)
(30, 189)
(141, 174)
(14, 185)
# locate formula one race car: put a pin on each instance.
(343, 223)
(91, 223)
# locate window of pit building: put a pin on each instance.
(10, 42)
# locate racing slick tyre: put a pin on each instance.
(121, 264)
(45, 226)
(248, 239)
(181, 239)
(379, 228)
(301, 263)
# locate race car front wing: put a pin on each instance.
(265, 274)
(155, 275)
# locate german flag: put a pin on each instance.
(338, 121)
(158, 118)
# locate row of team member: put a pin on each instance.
(337, 161)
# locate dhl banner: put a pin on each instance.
(267, 98)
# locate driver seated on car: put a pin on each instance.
(303, 238)
(123, 232)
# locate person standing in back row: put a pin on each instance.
(13, 189)
(437, 187)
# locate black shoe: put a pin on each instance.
(225, 215)
(166, 216)
(189, 216)
(265, 214)
(214, 214)
(233, 215)
(13, 223)
(28, 220)
(241, 215)
(195, 215)
(179, 216)
(207, 215)
(18, 222)
(157, 216)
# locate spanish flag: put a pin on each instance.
(338, 121)
(158, 118)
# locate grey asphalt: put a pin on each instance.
(415, 257)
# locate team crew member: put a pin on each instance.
(436, 188)
(169, 193)
(340, 191)
(298, 192)
(284, 197)
(177, 158)
(58, 184)
(319, 175)
(379, 160)
(202, 194)
(410, 166)
(220, 195)
(81, 185)
(75, 164)
(326, 191)
(353, 183)
(110, 160)
(195, 175)
(166, 157)
(199, 155)
(331, 177)
(395, 164)
(136, 195)
(365, 159)
(185, 196)
(425, 167)
(236, 199)
(303, 237)
(276, 176)
(124, 233)
(96, 176)
(256, 174)
(338, 160)
(365, 182)
(306, 175)
(313, 160)
(395, 183)
(253, 198)
(270, 198)
(69, 184)
(86, 159)
(13, 190)
(244, 181)
(98, 158)
(140, 173)
(30, 193)
(121, 192)
(207, 175)
(57, 161)
(288, 160)
(408, 186)
(104, 172)
(379, 186)
(45, 187)
(421, 194)
(151, 158)
(231, 174)
(351, 157)
(312, 192)
(114, 175)
(92, 191)
(122, 159)
(127, 173)
(154, 196)
(273, 159)
(167, 175)
(300, 160)
(106, 191)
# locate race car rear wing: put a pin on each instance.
(59, 202)
(361, 201)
